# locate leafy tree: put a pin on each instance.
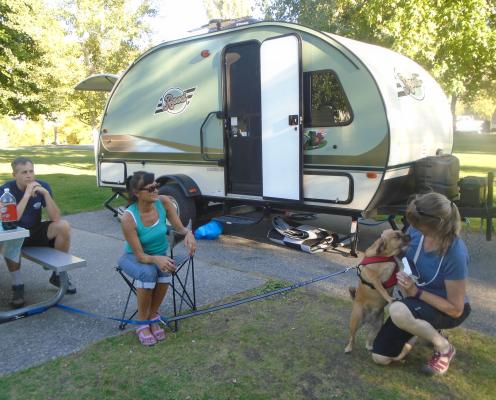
(224, 9)
(455, 40)
(109, 34)
(20, 59)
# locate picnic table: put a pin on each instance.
(52, 259)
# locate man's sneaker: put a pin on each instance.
(17, 296)
(55, 281)
(439, 363)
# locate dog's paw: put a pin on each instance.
(369, 347)
(348, 349)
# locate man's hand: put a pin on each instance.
(33, 188)
(165, 263)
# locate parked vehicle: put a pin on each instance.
(467, 123)
(273, 114)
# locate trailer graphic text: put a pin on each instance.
(175, 100)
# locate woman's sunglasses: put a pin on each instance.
(151, 188)
(423, 213)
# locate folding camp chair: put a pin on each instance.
(182, 285)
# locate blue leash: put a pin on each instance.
(167, 320)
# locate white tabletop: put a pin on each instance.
(11, 234)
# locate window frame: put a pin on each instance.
(307, 100)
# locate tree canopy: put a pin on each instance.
(20, 58)
(455, 40)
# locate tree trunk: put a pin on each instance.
(55, 135)
(454, 99)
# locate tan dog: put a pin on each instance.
(370, 297)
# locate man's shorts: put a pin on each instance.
(391, 339)
(38, 236)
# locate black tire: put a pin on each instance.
(185, 206)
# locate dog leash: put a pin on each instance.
(169, 320)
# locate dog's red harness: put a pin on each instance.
(374, 260)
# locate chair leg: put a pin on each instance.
(132, 289)
(180, 288)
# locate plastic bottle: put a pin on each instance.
(8, 210)
(209, 231)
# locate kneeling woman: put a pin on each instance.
(438, 300)
(144, 228)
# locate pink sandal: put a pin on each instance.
(145, 340)
(158, 333)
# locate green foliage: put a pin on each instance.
(224, 9)
(20, 59)
(454, 40)
(108, 35)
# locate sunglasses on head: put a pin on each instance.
(150, 188)
(423, 213)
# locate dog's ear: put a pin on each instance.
(381, 247)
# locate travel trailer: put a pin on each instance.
(272, 114)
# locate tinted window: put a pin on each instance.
(325, 102)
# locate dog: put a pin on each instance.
(377, 270)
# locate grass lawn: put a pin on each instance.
(70, 173)
(285, 347)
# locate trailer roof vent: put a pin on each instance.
(220, 24)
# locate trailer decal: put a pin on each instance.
(410, 85)
(175, 100)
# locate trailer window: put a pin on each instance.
(325, 102)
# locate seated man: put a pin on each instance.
(31, 196)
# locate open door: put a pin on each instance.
(242, 112)
(280, 76)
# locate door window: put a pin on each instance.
(325, 102)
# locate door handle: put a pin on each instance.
(293, 120)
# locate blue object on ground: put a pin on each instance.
(209, 231)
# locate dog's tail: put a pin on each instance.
(352, 291)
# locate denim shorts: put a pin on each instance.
(146, 275)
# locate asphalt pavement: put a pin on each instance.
(238, 261)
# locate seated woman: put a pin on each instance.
(145, 259)
(438, 300)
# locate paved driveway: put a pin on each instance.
(238, 261)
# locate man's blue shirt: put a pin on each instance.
(32, 213)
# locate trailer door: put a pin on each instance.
(280, 75)
(242, 110)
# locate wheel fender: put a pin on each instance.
(187, 185)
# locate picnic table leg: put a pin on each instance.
(37, 307)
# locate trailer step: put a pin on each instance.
(251, 219)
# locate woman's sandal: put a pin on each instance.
(145, 339)
(156, 330)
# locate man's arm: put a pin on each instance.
(28, 193)
(52, 209)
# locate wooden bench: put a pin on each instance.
(51, 259)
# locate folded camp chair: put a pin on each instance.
(182, 285)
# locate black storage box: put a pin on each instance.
(437, 174)
(473, 191)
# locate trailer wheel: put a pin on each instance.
(185, 206)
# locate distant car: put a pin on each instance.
(467, 123)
